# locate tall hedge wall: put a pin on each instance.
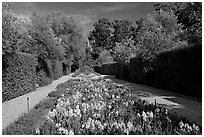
(57, 69)
(136, 72)
(122, 71)
(180, 71)
(109, 68)
(18, 75)
(43, 72)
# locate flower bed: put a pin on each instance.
(99, 107)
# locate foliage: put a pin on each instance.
(123, 29)
(18, 77)
(189, 14)
(98, 107)
(158, 32)
(101, 35)
(42, 79)
(177, 69)
(105, 57)
(124, 51)
(10, 30)
(106, 34)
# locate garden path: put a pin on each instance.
(12, 109)
(183, 105)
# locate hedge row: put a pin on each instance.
(21, 73)
(107, 68)
(178, 70)
(51, 70)
(181, 71)
(18, 75)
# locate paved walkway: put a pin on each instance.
(183, 105)
(12, 109)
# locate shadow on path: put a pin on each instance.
(183, 105)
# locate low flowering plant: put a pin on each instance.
(99, 107)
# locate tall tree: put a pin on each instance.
(101, 35)
(10, 30)
(189, 14)
(157, 33)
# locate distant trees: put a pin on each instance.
(10, 30)
(107, 35)
(101, 35)
(52, 36)
(171, 26)
(189, 14)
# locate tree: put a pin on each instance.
(122, 30)
(70, 33)
(124, 51)
(101, 35)
(159, 32)
(10, 30)
(105, 57)
(189, 14)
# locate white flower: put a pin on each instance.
(58, 125)
(37, 131)
(144, 116)
(130, 126)
(181, 124)
(150, 114)
(71, 132)
(138, 114)
(71, 113)
(196, 128)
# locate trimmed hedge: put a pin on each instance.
(43, 79)
(180, 71)
(43, 72)
(136, 72)
(122, 71)
(18, 75)
(57, 69)
(109, 68)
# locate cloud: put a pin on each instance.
(110, 8)
(83, 19)
(115, 8)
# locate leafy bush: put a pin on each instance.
(42, 78)
(19, 76)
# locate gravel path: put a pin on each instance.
(12, 109)
(183, 105)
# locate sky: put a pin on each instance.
(86, 13)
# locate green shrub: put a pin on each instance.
(57, 69)
(43, 79)
(18, 76)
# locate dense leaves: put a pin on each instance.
(189, 14)
(10, 30)
(53, 36)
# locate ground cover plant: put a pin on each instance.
(99, 107)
